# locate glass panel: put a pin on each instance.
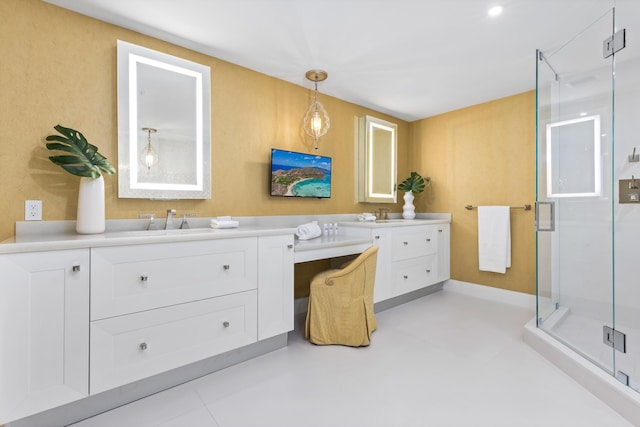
(627, 220)
(575, 263)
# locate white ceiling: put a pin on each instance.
(408, 58)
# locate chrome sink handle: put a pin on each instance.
(168, 225)
(184, 224)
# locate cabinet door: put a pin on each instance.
(414, 241)
(44, 331)
(134, 278)
(275, 285)
(383, 288)
(444, 252)
(413, 274)
(132, 347)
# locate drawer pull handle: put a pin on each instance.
(406, 243)
(143, 346)
(144, 278)
(428, 240)
(428, 271)
(406, 277)
(377, 237)
(289, 246)
(226, 267)
(226, 324)
(439, 231)
(75, 268)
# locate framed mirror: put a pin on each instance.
(164, 125)
(376, 145)
(573, 158)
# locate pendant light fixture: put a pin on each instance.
(149, 156)
(316, 120)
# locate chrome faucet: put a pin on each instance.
(184, 224)
(168, 225)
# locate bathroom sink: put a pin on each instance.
(142, 233)
(391, 220)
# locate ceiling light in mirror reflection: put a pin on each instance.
(149, 156)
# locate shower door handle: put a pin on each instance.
(545, 216)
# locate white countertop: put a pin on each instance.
(394, 223)
(61, 235)
(54, 242)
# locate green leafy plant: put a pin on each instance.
(82, 159)
(414, 184)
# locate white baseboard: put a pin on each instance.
(519, 299)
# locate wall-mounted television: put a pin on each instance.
(300, 174)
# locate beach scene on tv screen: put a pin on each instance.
(300, 175)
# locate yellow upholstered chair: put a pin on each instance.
(341, 303)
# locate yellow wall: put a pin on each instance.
(59, 67)
(482, 155)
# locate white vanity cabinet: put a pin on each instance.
(44, 331)
(275, 285)
(83, 320)
(158, 307)
(414, 258)
(411, 255)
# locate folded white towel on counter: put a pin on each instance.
(307, 231)
(217, 223)
(494, 238)
(365, 217)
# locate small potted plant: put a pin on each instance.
(82, 159)
(413, 185)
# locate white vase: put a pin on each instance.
(408, 210)
(90, 219)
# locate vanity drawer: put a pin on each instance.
(414, 241)
(129, 348)
(129, 279)
(412, 274)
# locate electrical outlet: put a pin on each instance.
(33, 210)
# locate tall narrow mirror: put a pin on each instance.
(376, 145)
(164, 125)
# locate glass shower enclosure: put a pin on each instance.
(588, 198)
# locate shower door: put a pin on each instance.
(574, 191)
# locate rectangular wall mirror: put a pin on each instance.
(376, 148)
(164, 125)
(573, 158)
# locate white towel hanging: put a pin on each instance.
(494, 238)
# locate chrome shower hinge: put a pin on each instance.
(615, 43)
(615, 339)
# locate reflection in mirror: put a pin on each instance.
(376, 144)
(164, 146)
(573, 158)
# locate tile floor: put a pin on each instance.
(445, 360)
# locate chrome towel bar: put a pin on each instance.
(524, 207)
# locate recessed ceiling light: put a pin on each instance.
(495, 11)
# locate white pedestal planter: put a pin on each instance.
(408, 210)
(91, 219)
